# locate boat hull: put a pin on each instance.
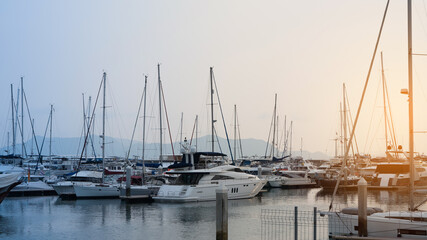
(199, 193)
(346, 224)
(97, 191)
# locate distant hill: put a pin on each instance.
(119, 147)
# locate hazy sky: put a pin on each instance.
(301, 50)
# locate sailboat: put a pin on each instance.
(99, 190)
(9, 178)
(397, 224)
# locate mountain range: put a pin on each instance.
(119, 147)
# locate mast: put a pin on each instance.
(385, 108)
(160, 114)
(88, 120)
(285, 142)
(212, 112)
(143, 131)
(197, 128)
(301, 147)
(411, 110)
(8, 143)
(290, 144)
(235, 132)
(344, 124)
(180, 139)
(50, 133)
(103, 128)
(341, 131)
(22, 117)
(84, 126)
(13, 121)
(274, 124)
(32, 139)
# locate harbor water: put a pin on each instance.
(53, 218)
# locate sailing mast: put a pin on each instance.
(103, 128)
(182, 120)
(212, 112)
(160, 114)
(22, 117)
(384, 102)
(197, 128)
(143, 131)
(235, 130)
(13, 121)
(274, 124)
(344, 125)
(290, 143)
(50, 135)
(411, 110)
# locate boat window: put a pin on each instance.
(235, 170)
(221, 177)
(188, 179)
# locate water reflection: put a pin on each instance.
(38, 217)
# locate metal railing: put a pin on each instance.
(293, 224)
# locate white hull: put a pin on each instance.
(140, 190)
(32, 186)
(283, 182)
(97, 191)
(189, 193)
(67, 187)
(379, 226)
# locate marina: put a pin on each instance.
(160, 120)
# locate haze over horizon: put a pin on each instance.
(303, 51)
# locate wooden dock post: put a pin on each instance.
(222, 213)
(362, 189)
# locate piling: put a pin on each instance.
(362, 189)
(296, 223)
(128, 180)
(315, 223)
(222, 213)
(259, 171)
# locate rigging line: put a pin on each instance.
(192, 133)
(391, 116)
(240, 139)
(32, 127)
(5, 127)
(223, 120)
(268, 139)
(351, 121)
(41, 148)
(375, 134)
(90, 124)
(372, 119)
(134, 128)
(116, 113)
(167, 120)
(20, 128)
(361, 100)
(217, 139)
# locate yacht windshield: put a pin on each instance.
(188, 179)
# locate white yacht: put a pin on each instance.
(380, 224)
(201, 185)
(291, 179)
(9, 178)
(103, 189)
(65, 189)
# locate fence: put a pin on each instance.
(293, 224)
